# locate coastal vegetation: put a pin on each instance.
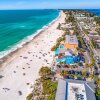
(45, 87)
(59, 25)
(97, 93)
(29, 97)
(74, 74)
(94, 43)
(98, 30)
(98, 82)
(98, 89)
(83, 12)
(71, 19)
(97, 19)
(76, 31)
(45, 71)
(59, 40)
(81, 42)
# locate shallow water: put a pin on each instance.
(16, 25)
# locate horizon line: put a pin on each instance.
(52, 9)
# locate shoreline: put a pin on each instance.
(33, 36)
(20, 69)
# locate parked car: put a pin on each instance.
(79, 78)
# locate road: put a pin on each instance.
(91, 48)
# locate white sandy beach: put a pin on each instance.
(21, 70)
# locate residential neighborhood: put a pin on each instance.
(74, 72)
(49, 49)
(81, 59)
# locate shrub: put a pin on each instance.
(98, 92)
(97, 19)
(98, 81)
(29, 97)
(64, 73)
(45, 71)
(54, 48)
(52, 97)
(49, 87)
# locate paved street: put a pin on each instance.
(90, 46)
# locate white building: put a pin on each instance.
(75, 90)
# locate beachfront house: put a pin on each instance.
(75, 90)
(67, 26)
(71, 42)
(67, 53)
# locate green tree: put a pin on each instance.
(98, 81)
(45, 71)
(64, 73)
(91, 67)
(84, 73)
(29, 97)
(98, 92)
(97, 19)
(76, 31)
(94, 43)
(86, 65)
(92, 76)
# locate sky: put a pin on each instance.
(49, 4)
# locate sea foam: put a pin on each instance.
(26, 39)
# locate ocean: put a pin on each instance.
(95, 11)
(19, 26)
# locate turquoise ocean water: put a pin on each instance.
(19, 26)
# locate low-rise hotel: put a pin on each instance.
(75, 90)
(71, 42)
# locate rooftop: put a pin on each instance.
(71, 39)
(93, 31)
(75, 90)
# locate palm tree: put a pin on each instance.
(71, 66)
(84, 73)
(64, 73)
(91, 67)
(86, 65)
(98, 81)
(92, 76)
(98, 92)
